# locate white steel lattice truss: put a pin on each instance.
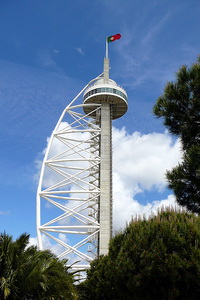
(68, 190)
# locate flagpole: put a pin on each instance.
(106, 47)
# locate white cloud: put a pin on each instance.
(126, 208)
(46, 60)
(140, 162)
(32, 241)
(48, 244)
(144, 159)
(80, 50)
(58, 147)
(56, 51)
(4, 213)
(55, 248)
(154, 30)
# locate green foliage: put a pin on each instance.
(179, 106)
(26, 273)
(185, 180)
(152, 259)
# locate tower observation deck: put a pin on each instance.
(106, 90)
(74, 195)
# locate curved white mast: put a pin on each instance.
(89, 225)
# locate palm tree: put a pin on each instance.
(26, 273)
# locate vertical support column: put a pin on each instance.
(106, 70)
(105, 180)
(38, 222)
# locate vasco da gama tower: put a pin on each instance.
(74, 196)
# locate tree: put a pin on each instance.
(179, 106)
(26, 273)
(152, 259)
(184, 180)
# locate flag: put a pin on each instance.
(113, 38)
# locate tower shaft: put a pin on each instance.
(105, 180)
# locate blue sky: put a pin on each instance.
(50, 50)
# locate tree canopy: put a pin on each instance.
(29, 274)
(179, 106)
(152, 259)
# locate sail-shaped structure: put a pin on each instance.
(74, 196)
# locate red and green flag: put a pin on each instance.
(113, 38)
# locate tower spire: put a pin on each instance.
(107, 47)
(106, 65)
(106, 70)
(109, 39)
